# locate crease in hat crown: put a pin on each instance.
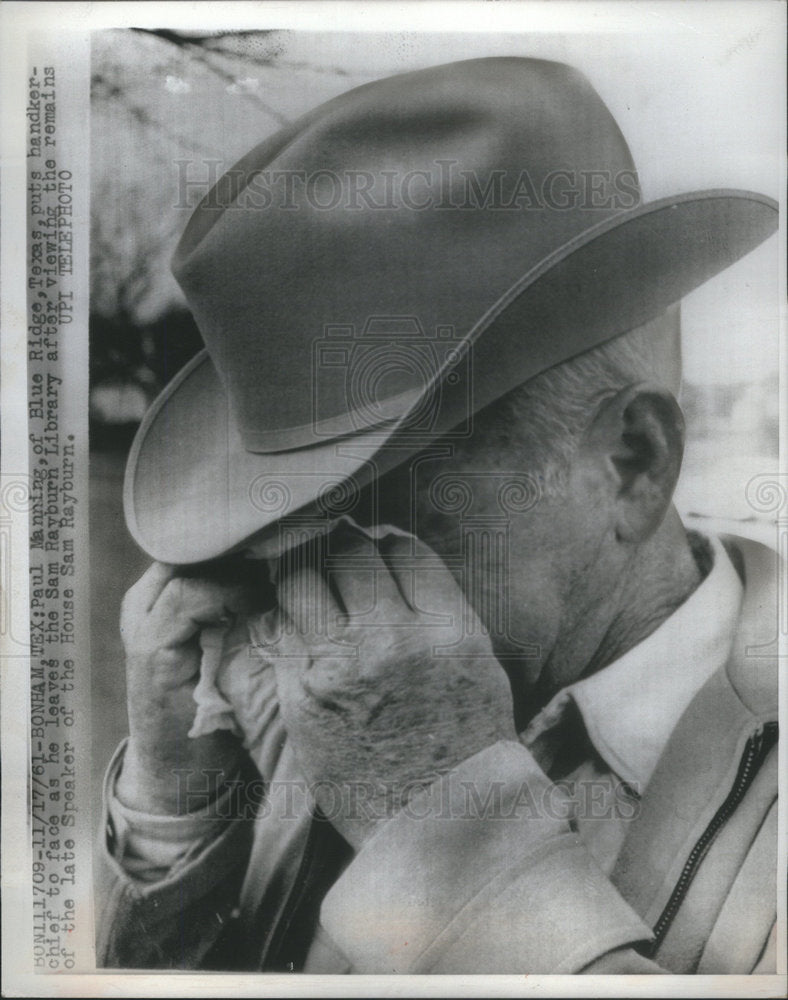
(262, 278)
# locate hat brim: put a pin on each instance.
(192, 492)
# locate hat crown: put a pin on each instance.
(408, 205)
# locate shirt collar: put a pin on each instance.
(631, 707)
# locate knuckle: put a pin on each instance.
(183, 594)
(178, 589)
(170, 597)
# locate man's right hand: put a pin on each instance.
(161, 619)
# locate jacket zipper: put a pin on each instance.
(755, 752)
(291, 904)
(325, 853)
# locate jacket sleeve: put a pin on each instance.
(478, 875)
(173, 921)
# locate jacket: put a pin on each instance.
(693, 889)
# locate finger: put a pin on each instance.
(264, 628)
(187, 605)
(307, 602)
(362, 580)
(141, 597)
(420, 574)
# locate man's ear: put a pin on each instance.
(635, 444)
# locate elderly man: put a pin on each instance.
(428, 675)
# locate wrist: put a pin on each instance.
(360, 809)
(174, 788)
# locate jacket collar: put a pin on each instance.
(631, 707)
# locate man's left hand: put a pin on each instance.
(386, 678)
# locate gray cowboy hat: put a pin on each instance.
(374, 274)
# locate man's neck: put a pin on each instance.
(660, 578)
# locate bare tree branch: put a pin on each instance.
(203, 47)
(109, 90)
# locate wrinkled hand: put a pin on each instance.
(392, 709)
(161, 619)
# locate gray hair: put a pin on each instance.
(546, 416)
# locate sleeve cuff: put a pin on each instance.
(150, 846)
(479, 874)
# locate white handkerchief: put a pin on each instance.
(237, 684)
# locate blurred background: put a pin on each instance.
(698, 110)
